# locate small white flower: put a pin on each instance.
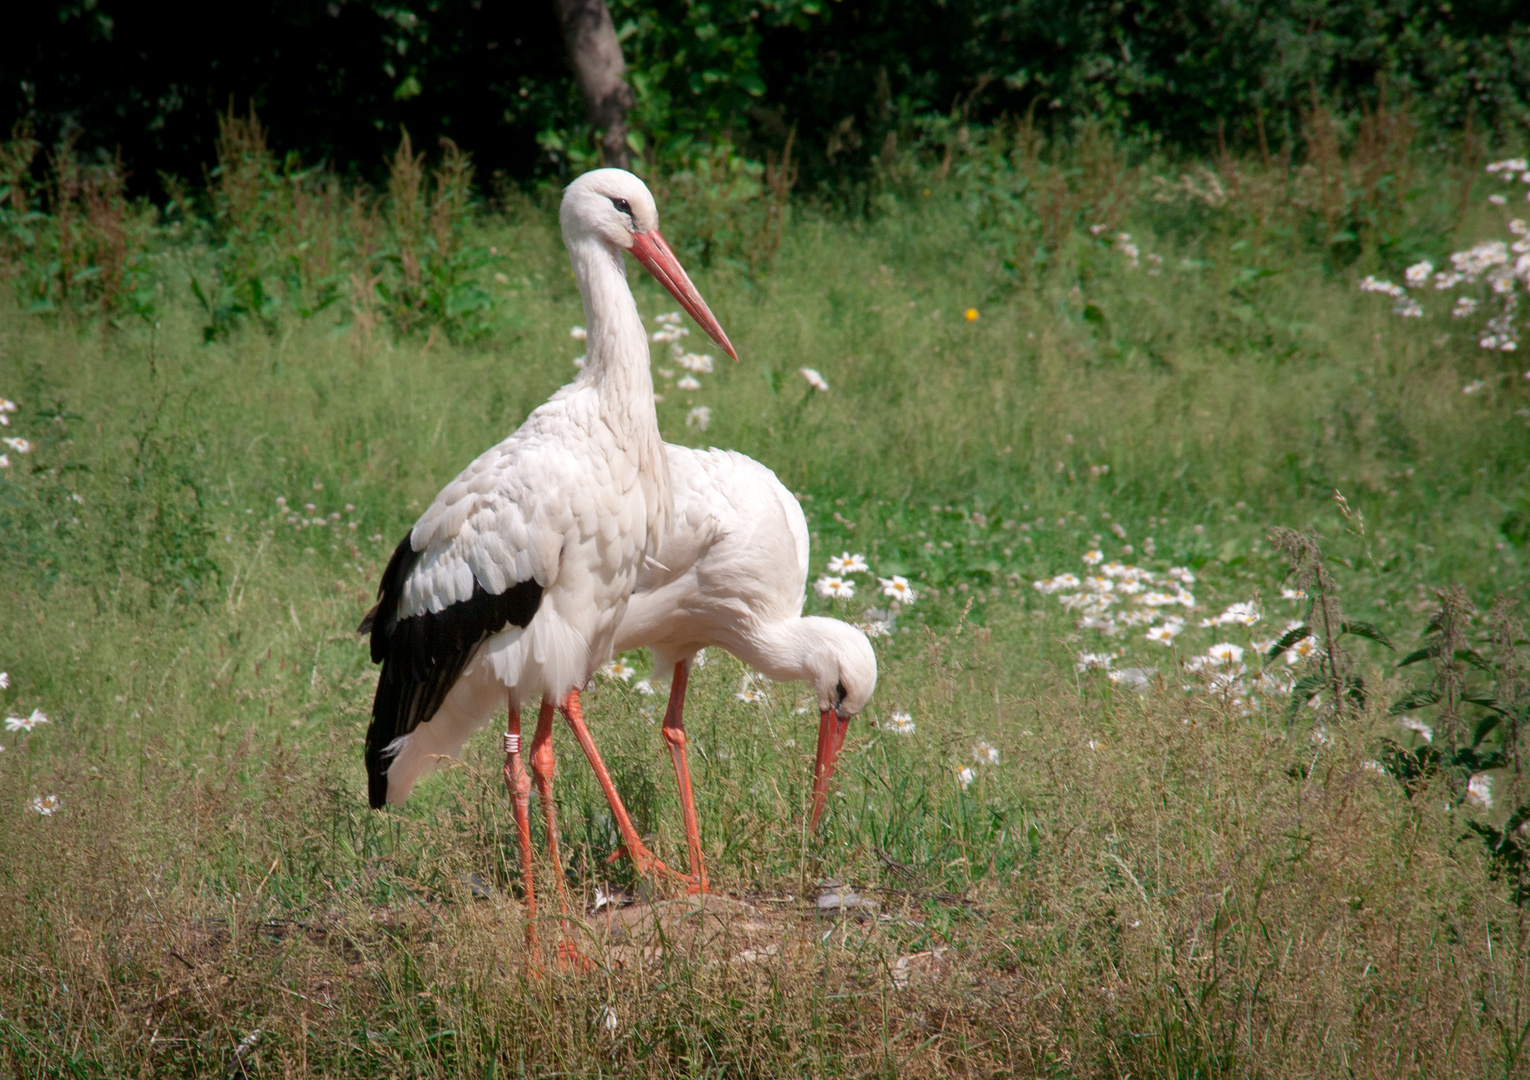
(900, 724)
(577, 333)
(1093, 558)
(699, 418)
(1090, 661)
(985, 753)
(814, 379)
(964, 776)
(21, 446)
(644, 687)
(579, 363)
(1465, 306)
(1498, 200)
(1181, 574)
(7, 406)
(1479, 791)
(1418, 727)
(750, 695)
(1225, 652)
(619, 669)
(1474, 387)
(19, 723)
(46, 805)
(832, 587)
(701, 363)
(1301, 650)
(5, 680)
(1418, 274)
(1164, 635)
(1065, 581)
(847, 563)
(687, 382)
(897, 588)
(1244, 613)
(1293, 594)
(671, 318)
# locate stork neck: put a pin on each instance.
(616, 357)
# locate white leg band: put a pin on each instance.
(512, 743)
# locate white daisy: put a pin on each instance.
(700, 363)
(1301, 650)
(687, 382)
(1164, 635)
(578, 333)
(1225, 652)
(27, 723)
(1418, 274)
(814, 379)
(750, 695)
(900, 724)
(698, 418)
(671, 318)
(965, 776)
(1093, 558)
(1066, 581)
(644, 687)
(1245, 613)
(5, 680)
(834, 588)
(46, 805)
(897, 588)
(985, 753)
(1090, 661)
(21, 446)
(1479, 791)
(1293, 594)
(1413, 724)
(619, 669)
(846, 563)
(1182, 574)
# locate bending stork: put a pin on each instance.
(732, 572)
(513, 582)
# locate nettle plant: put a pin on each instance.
(1482, 283)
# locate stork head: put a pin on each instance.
(617, 209)
(843, 667)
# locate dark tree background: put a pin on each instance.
(335, 79)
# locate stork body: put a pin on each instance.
(731, 571)
(513, 581)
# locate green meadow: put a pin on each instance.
(1243, 866)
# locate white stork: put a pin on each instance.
(732, 572)
(514, 580)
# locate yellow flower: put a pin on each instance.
(972, 314)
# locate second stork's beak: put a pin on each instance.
(831, 737)
(650, 249)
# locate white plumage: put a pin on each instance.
(731, 572)
(510, 586)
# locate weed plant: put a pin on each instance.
(1153, 875)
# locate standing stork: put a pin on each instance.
(513, 581)
(732, 572)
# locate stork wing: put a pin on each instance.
(475, 563)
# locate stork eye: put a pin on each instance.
(839, 693)
(623, 206)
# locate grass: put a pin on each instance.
(1164, 883)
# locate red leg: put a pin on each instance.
(674, 735)
(518, 784)
(642, 858)
(831, 737)
(542, 767)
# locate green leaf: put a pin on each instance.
(1484, 728)
(1420, 654)
(1370, 631)
(1289, 638)
(1421, 698)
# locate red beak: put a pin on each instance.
(650, 249)
(831, 736)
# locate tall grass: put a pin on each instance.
(1163, 883)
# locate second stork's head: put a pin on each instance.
(616, 208)
(843, 671)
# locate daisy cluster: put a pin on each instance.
(46, 805)
(984, 755)
(310, 516)
(1113, 597)
(1128, 248)
(838, 584)
(13, 444)
(1493, 272)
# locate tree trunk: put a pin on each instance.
(596, 57)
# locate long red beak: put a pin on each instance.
(650, 249)
(831, 736)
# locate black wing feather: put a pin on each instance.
(423, 655)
